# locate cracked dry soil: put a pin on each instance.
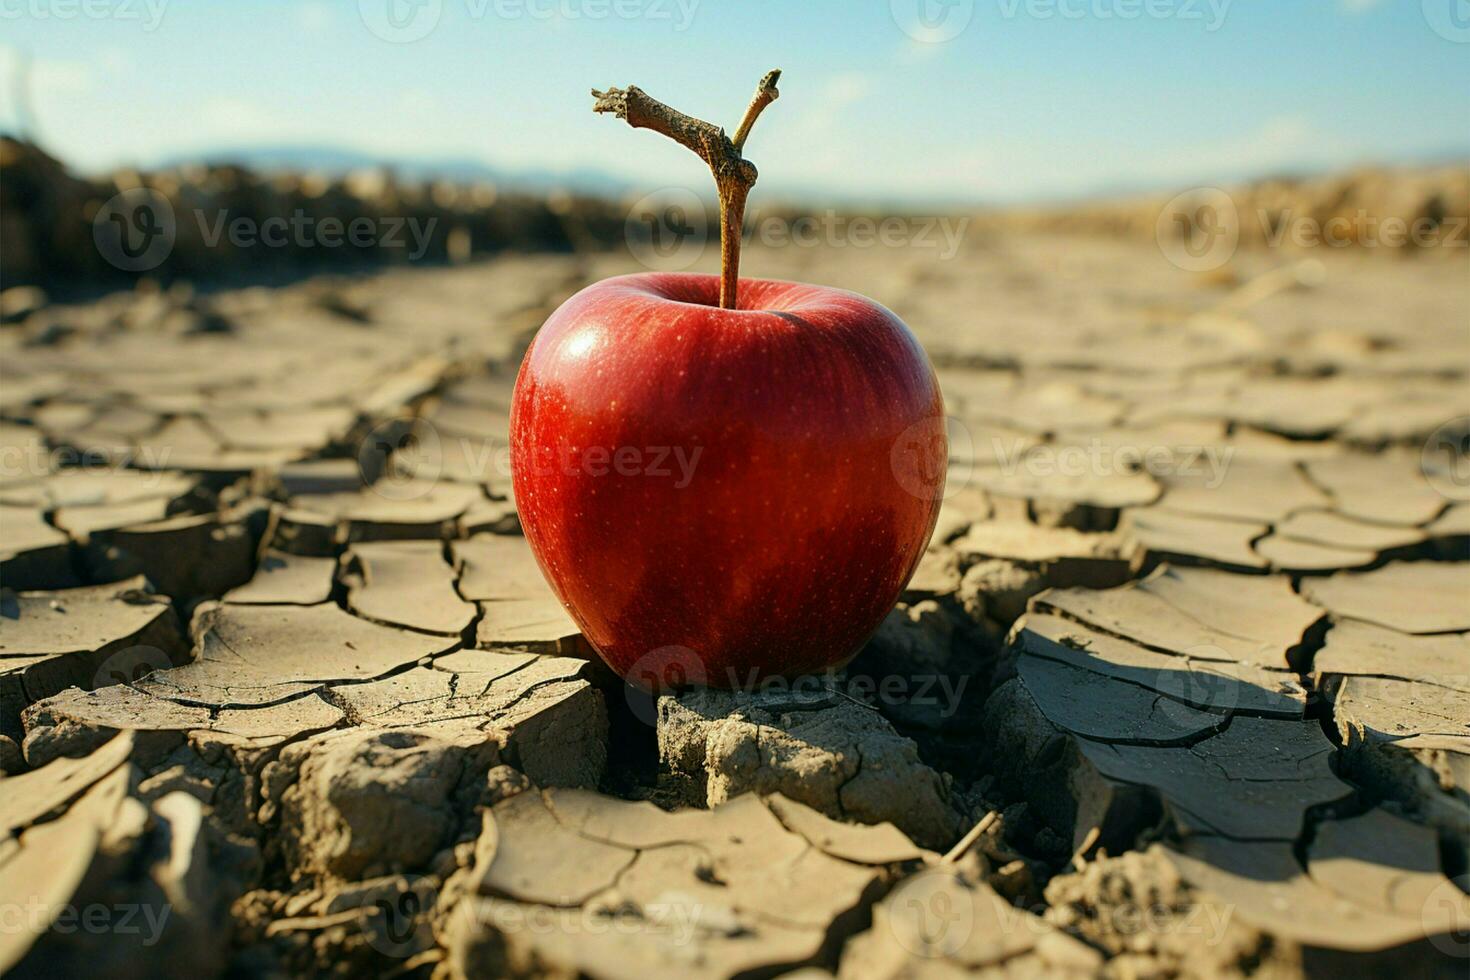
(282, 691)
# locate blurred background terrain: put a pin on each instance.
(469, 118)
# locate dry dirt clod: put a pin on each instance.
(406, 583)
(143, 870)
(261, 655)
(1165, 535)
(637, 891)
(1412, 597)
(379, 799)
(284, 578)
(11, 760)
(1140, 912)
(541, 713)
(517, 607)
(999, 590)
(35, 554)
(1213, 734)
(1198, 612)
(86, 637)
(187, 556)
(937, 920)
(839, 757)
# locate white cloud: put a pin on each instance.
(817, 116)
(912, 51)
(844, 89)
(416, 102)
(48, 75)
(1003, 170)
(241, 120)
(53, 85)
(313, 17)
(116, 61)
(1281, 142)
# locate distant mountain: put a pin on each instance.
(335, 161)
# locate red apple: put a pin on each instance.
(741, 492)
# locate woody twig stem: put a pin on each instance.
(734, 175)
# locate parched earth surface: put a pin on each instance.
(1182, 686)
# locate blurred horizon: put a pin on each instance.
(908, 101)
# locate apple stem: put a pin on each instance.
(765, 93)
(734, 175)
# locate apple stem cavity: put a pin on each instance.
(734, 175)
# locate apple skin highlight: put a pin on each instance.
(720, 496)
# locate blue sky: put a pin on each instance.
(1032, 99)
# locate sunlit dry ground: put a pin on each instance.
(1193, 628)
